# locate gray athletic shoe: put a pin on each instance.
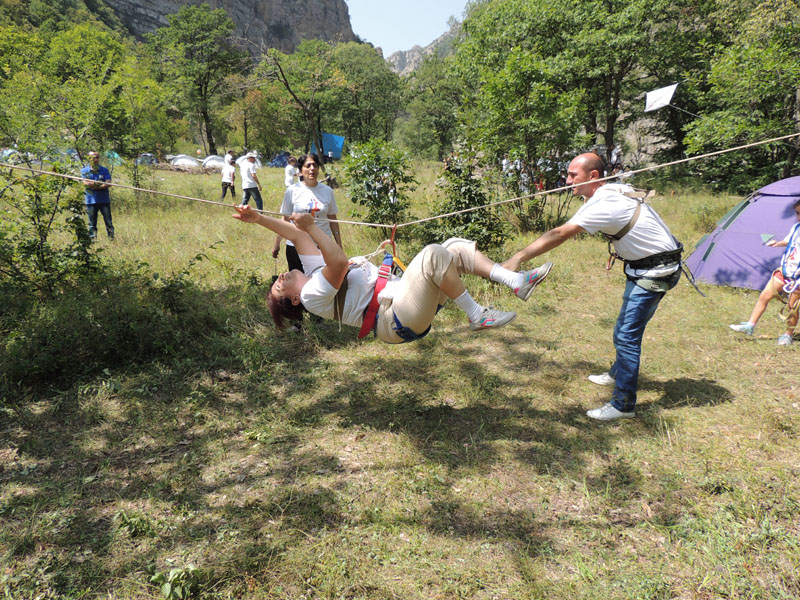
(607, 412)
(784, 340)
(602, 379)
(492, 318)
(532, 279)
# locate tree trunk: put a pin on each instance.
(212, 147)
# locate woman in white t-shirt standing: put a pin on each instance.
(309, 195)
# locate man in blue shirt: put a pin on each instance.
(96, 179)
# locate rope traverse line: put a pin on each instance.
(433, 218)
(169, 194)
(569, 187)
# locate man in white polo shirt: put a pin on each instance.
(652, 266)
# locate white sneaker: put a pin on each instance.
(785, 339)
(602, 379)
(491, 318)
(743, 327)
(532, 279)
(607, 412)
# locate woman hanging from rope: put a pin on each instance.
(334, 287)
(784, 283)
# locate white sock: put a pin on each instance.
(469, 306)
(500, 274)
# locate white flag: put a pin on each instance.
(659, 98)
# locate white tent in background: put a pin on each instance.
(659, 98)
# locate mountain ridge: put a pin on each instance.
(405, 62)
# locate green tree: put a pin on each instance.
(365, 103)
(67, 96)
(432, 98)
(754, 94)
(309, 79)
(539, 64)
(143, 118)
(197, 54)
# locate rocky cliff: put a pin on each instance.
(281, 24)
(406, 61)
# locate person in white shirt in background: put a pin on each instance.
(228, 175)
(290, 172)
(251, 186)
(308, 195)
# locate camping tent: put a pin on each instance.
(184, 160)
(332, 144)
(214, 161)
(734, 253)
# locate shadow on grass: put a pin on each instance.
(182, 453)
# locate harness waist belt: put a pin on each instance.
(657, 260)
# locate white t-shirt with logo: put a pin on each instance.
(318, 295)
(609, 210)
(248, 170)
(301, 198)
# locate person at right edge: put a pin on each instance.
(652, 258)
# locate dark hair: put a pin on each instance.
(310, 157)
(796, 204)
(282, 308)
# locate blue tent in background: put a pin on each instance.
(331, 144)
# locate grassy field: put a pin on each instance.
(315, 466)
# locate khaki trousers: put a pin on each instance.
(418, 296)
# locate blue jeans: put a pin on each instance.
(105, 210)
(247, 192)
(638, 306)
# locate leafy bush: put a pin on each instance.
(37, 210)
(463, 190)
(377, 177)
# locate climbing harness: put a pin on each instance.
(390, 265)
(640, 196)
(651, 284)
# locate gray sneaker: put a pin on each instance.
(784, 340)
(602, 379)
(490, 318)
(532, 279)
(607, 412)
(743, 327)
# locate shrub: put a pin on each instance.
(377, 177)
(463, 190)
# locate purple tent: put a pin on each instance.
(734, 253)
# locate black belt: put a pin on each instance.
(656, 260)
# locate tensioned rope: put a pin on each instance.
(168, 194)
(627, 174)
(440, 216)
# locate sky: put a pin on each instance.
(402, 24)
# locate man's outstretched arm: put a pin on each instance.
(544, 243)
